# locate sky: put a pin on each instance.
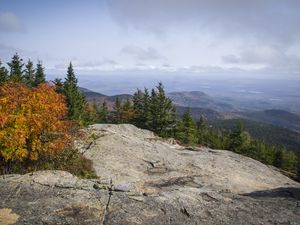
(242, 37)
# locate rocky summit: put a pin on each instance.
(144, 179)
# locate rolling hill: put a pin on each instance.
(198, 99)
(263, 131)
(277, 117)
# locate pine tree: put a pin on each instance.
(278, 159)
(118, 110)
(201, 130)
(187, 130)
(29, 76)
(16, 69)
(146, 110)
(161, 112)
(240, 139)
(75, 99)
(3, 74)
(138, 107)
(59, 85)
(298, 166)
(102, 113)
(39, 74)
(140, 102)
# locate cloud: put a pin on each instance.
(270, 59)
(277, 21)
(104, 64)
(141, 53)
(264, 55)
(9, 22)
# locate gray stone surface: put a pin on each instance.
(145, 180)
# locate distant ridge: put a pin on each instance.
(96, 97)
(198, 99)
(213, 109)
(277, 117)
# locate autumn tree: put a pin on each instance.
(32, 122)
(16, 69)
(127, 111)
(90, 113)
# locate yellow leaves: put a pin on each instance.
(28, 119)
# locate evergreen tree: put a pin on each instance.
(59, 85)
(298, 166)
(39, 74)
(16, 69)
(118, 110)
(145, 118)
(161, 112)
(201, 130)
(29, 76)
(278, 159)
(74, 98)
(187, 131)
(240, 139)
(102, 113)
(3, 74)
(141, 103)
(138, 107)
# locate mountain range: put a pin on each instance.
(212, 108)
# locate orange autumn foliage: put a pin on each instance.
(32, 121)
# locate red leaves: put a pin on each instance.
(31, 121)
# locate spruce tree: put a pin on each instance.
(3, 74)
(138, 107)
(298, 166)
(102, 113)
(278, 159)
(145, 118)
(74, 98)
(16, 69)
(29, 76)
(59, 85)
(201, 130)
(39, 74)
(239, 139)
(161, 112)
(140, 102)
(118, 110)
(187, 131)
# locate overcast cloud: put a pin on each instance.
(197, 36)
(263, 33)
